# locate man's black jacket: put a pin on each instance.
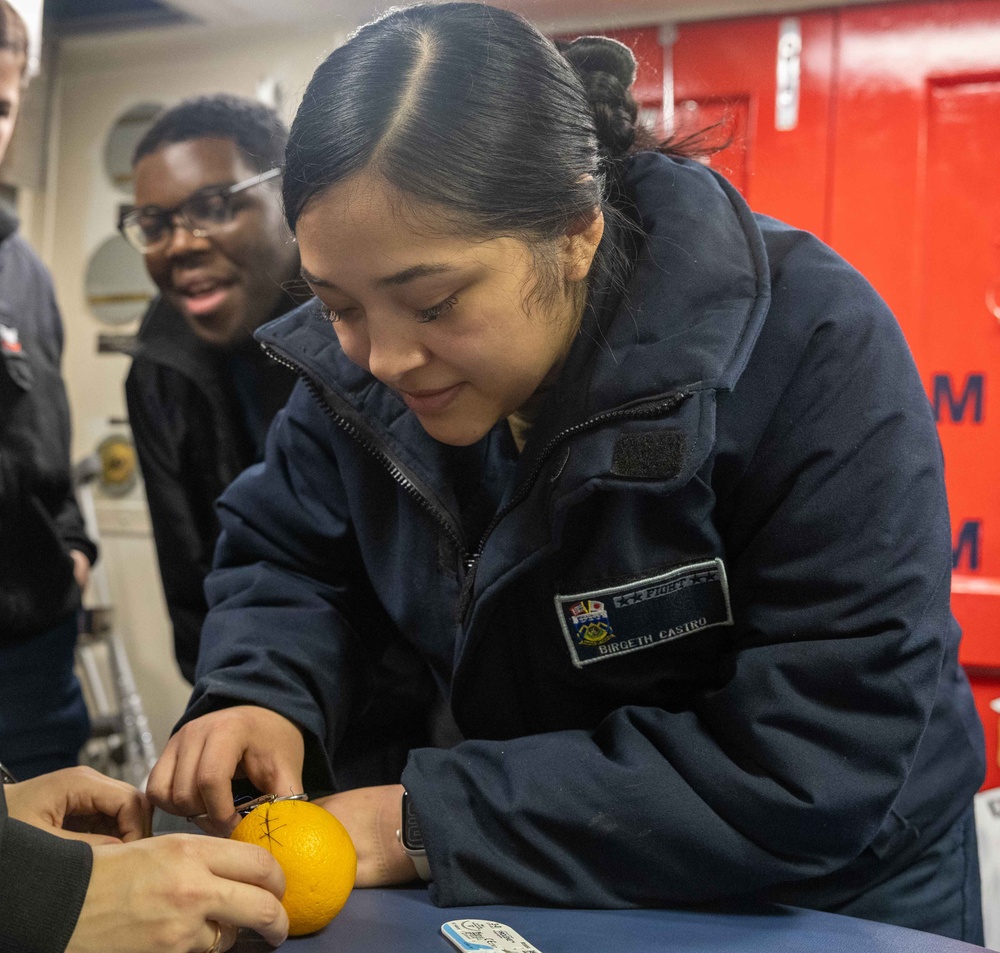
(192, 443)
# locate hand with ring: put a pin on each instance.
(179, 893)
(216, 945)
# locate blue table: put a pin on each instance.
(405, 921)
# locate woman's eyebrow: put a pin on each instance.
(399, 278)
(411, 274)
(314, 280)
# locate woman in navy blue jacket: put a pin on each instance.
(650, 481)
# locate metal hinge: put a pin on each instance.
(786, 101)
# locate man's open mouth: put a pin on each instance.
(203, 296)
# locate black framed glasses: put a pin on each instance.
(207, 210)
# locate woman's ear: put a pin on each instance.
(580, 245)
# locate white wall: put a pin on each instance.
(96, 79)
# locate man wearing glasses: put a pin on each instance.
(201, 393)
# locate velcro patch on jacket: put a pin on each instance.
(654, 454)
(643, 613)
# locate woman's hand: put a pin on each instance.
(371, 816)
(81, 804)
(194, 775)
(165, 895)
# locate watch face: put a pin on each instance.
(410, 833)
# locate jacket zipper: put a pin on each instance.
(395, 471)
(470, 561)
(657, 408)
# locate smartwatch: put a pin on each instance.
(5, 776)
(411, 838)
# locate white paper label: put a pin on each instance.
(486, 936)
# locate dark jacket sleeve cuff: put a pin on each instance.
(73, 532)
(43, 882)
(84, 544)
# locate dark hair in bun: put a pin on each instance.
(606, 69)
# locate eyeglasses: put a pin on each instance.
(150, 227)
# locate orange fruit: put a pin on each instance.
(316, 854)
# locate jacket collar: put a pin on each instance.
(165, 338)
(696, 298)
(687, 320)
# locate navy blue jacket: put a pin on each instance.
(704, 649)
(193, 439)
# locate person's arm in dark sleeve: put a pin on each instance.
(158, 433)
(70, 526)
(287, 591)
(788, 769)
(43, 883)
(68, 518)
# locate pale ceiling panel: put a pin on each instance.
(109, 15)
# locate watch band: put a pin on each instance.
(411, 838)
(422, 866)
(5, 776)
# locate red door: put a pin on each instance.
(915, 202)
(726, 72)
